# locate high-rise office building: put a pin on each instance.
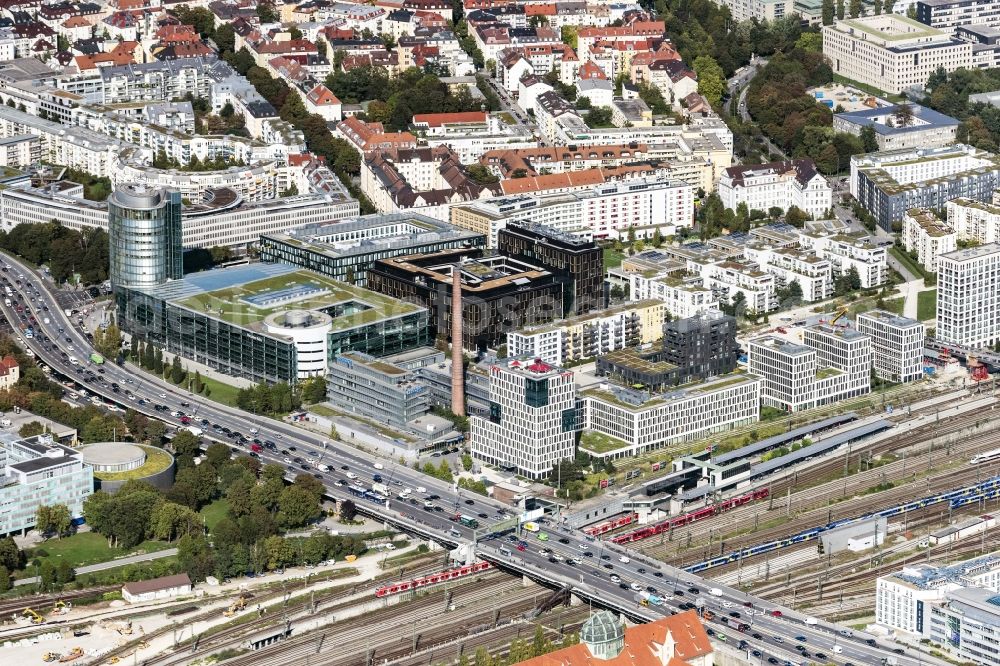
(144, 226)
(968, 305)
(532, 419)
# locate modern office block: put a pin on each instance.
(897, 345)
(578, 262)
(532, 421)
(37, 471)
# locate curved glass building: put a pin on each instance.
(144, 226)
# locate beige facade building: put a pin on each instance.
(891, 52)
(928, 237)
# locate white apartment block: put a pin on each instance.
(728, 278)
(832, 364)
(606, 211)
(644, 421)
(777, 185)
(974, 220)
(903, 600)
(928, 237)
(968, 303)
(949, 14)
(814, 275)
(845, 252)
(587, 336)
(897, 345)
(761, 10)
(532, 420)
(891, 52)
(683, 298)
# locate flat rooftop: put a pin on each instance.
(971, 253)
(891, 318)
(245, 295)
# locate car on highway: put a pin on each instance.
(636, 587)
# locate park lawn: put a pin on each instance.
(927, 305)
(214, 512)
(220, 392)
(86, 548)
(895, 305)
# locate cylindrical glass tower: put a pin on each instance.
(145, 235)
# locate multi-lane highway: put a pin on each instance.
(609, 574)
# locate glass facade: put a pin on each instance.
(144, 227)
(241, 352)
(536, 392)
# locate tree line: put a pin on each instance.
(65, 251)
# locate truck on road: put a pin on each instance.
(380, 488)
(197, 432)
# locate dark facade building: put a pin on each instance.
(577, 262)
(499, 294)
(345, 249)
(693, 349)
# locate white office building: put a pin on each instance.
(777, 185)
(903, 600)
(643, 421)
(892, 52)
(532, 420)
(38, 471)
(832, 364)
(928, 237)
(967, 625)
(897, 345)
(974, 220)
(968, 303)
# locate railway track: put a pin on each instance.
(742, 525)
(45, 601)
(397, 629)
(326, 596)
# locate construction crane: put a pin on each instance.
(840, 314)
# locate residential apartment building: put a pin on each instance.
(692, 349)
(845, 252)
(927, 237)
(643, 421)
(814, 275)
(897, 345)
(532, 421)
(777, 185)
(728, 278)
(374, 389)
(949, 14)
(832, 364)
(974, 220)
(760, 10)
(892, 52)
(591, 335)
(891, 182)
(37, 471)
(683, 297)
(968, 302)
(921, 128)
(610, 210)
